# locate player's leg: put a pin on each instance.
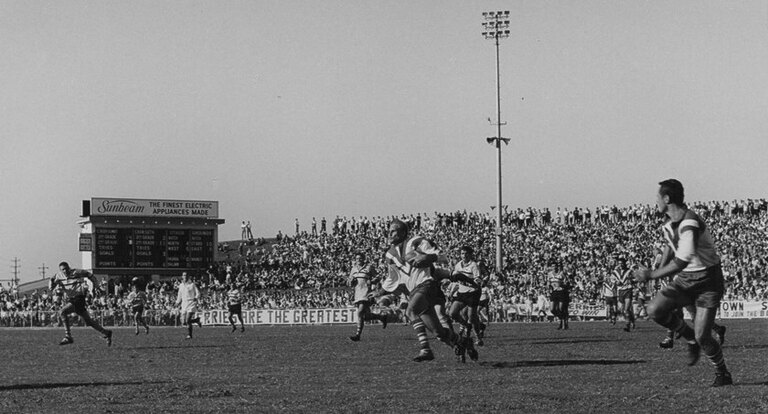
(455, 312)
(188, 320)
(703, 321)
(106, 333)
(556, 310)
(564, 310)
(361, 315)
(418, 303)
(240, 318)
(63, 316)
(663, 310)
(474, 320)
(143, 321)
(136, 317)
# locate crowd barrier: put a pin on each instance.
(729, 309)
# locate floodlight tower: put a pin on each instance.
(496, 26)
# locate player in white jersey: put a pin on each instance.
(188, 297)
(137, 300)
(467, 294)
(76, 285)
(609, 295)
(235, 306)
(362, 276)
(411, 263)
(625, 285)
(691, 256)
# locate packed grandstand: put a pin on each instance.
(309, 268)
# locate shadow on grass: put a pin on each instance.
(559, 362)
(573, 341)
(72, 384)
(177, 346)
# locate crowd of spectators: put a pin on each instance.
(310, 269)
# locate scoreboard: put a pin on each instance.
(152, 248)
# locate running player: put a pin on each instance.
(187, 298)
(467, 295)
(699, 281)
(76, 284)
(137, 299)
(411, 263)
(362, 277)
(235, 306)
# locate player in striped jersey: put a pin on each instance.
(625, 284)
(235, 306)
(362, 276)
(137, 299)
(76, 284)
(692, 257)
(609, 295)
(411, 262)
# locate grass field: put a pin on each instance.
(593, 367)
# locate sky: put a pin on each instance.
(298, 109)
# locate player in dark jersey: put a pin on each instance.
(693, 258)
(235, 306)
(76, 284)
(560, 296)
(137, 300)
(625, 286)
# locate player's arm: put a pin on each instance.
(425, 255)
(461, 277)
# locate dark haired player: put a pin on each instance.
(77, 284)
(691, 255)
(609, 295)
(235, 306)
(467, 295)
(137, 299)
(560, 297)
(625, 285)
(361, 276)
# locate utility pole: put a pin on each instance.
(42, 269)
(496, 27)
(16, 266)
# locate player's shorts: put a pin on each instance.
(560, 296)
(431, 290)
(76, 305)
(468, 298)
(625, 294)
(611, 301)
(137, 309)
(236, 309)
(484, 303)
(704, 289)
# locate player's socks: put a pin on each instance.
(421, 334)
(383, 319)
(714, 354)
(722, 379)
(720, 331)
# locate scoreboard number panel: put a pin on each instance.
(153, 248)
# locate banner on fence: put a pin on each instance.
(283, 316)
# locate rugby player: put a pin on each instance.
(699, 281)
(361, 276)
(467, 295)
(76, 284)
(411, 261)
(187, 298)
(235, 306)
(609, 295)
(560, 296)
(622, 275)
(137, 299)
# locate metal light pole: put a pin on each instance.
(496, 27)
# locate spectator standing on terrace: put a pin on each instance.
(699, 279)
(297, 226)
(248, 231)
(243, 231)
(362, 277)
(76, 284)
(323, 224)
(314, 227)
(188, 297)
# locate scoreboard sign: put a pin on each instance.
(156, 248)
(132, 207)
